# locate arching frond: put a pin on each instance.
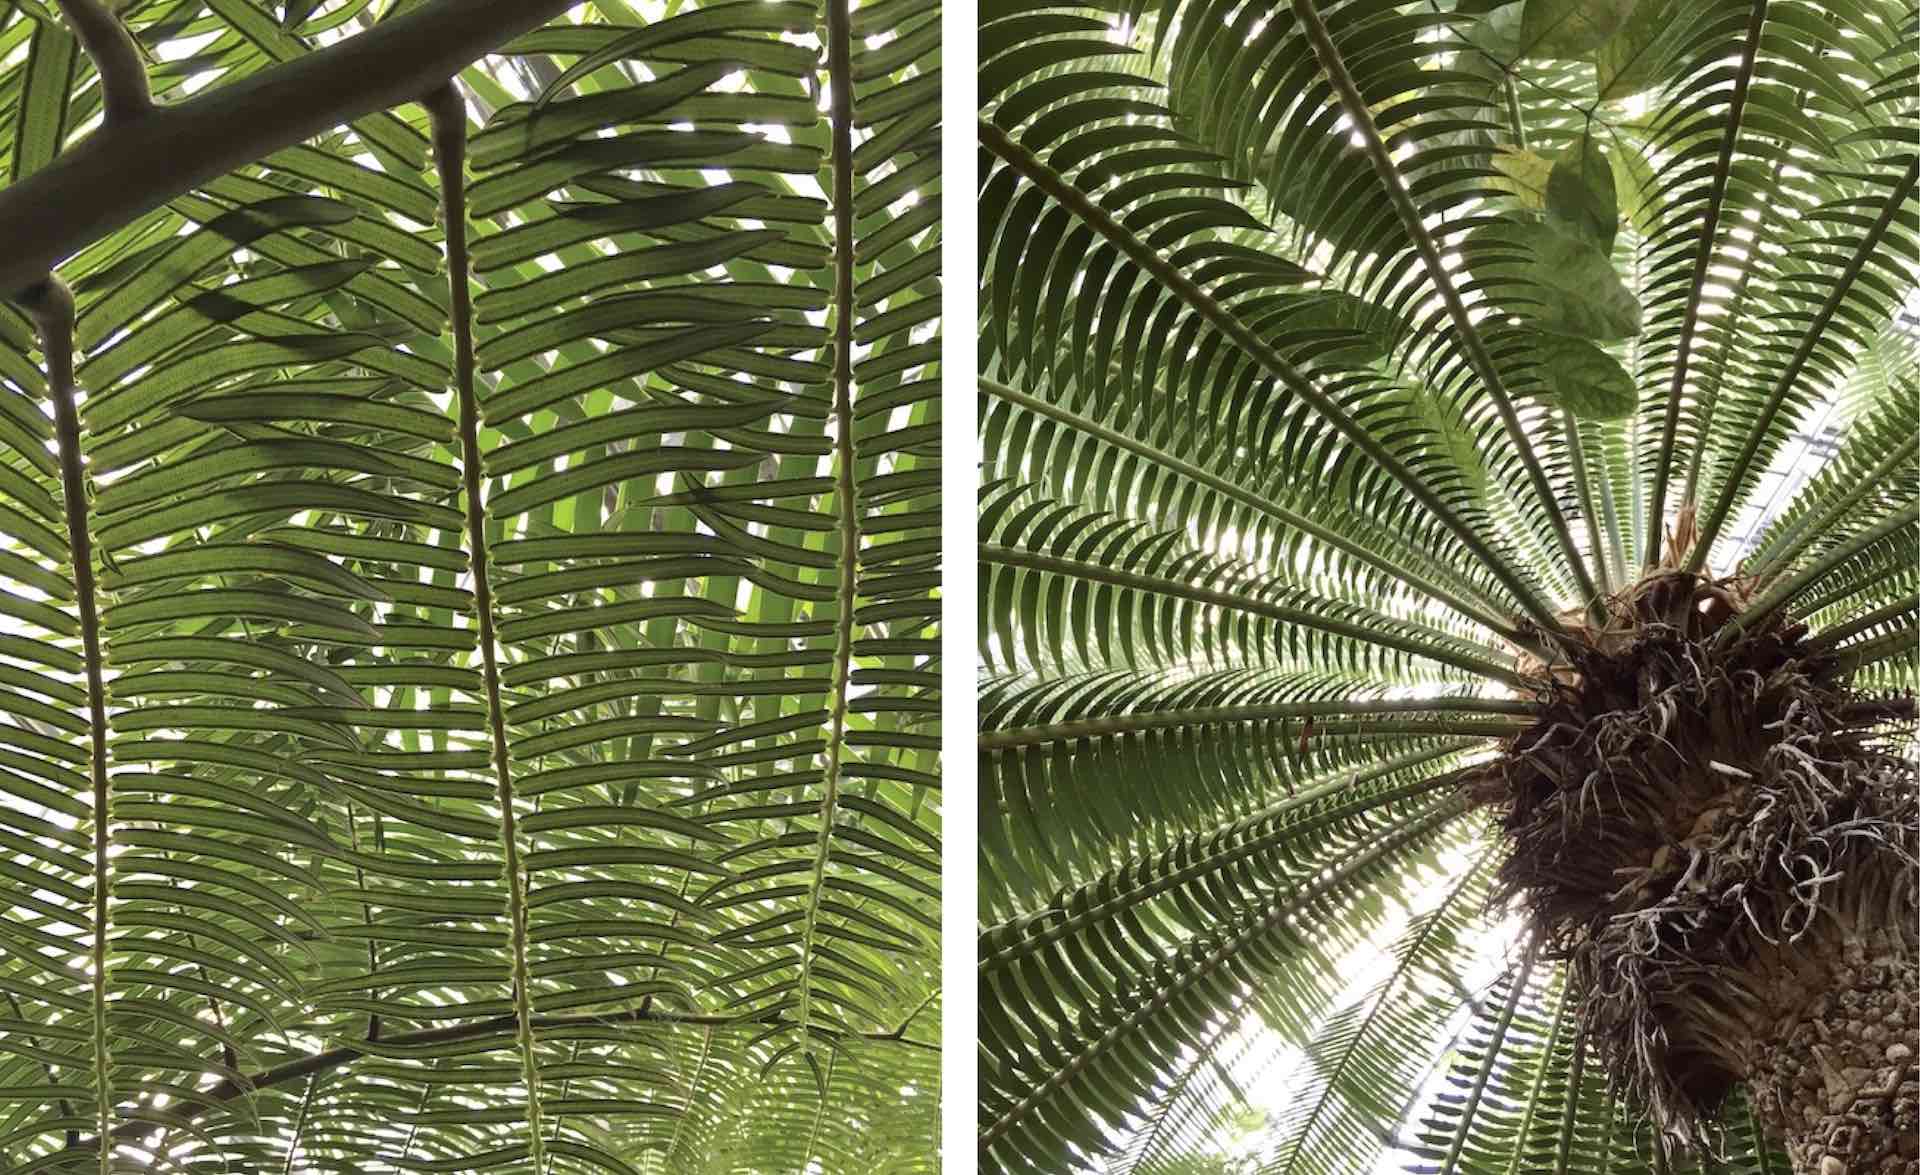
(1339, 361)
(473, 611)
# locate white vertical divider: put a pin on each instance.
(960, 703)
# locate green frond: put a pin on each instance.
(1528, 1098)
(1052, 1086)
(1363, 1058)
(511, 523)
(1335, 358)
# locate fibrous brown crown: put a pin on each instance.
(1697, 820)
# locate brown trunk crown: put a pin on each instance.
(1717, 835)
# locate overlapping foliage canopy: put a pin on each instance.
(1335, 354)
(493, 727)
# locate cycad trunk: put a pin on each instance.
(1705, 825)
(1835, 1074)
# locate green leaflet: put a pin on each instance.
(686, 26)
(521, 132)
(196, 314)
(604, 816)
(263, 657)
(40, 124)
(718, 304)
(357, 183)
(674, 260)
(656, 149)
(261, 407)
(617, 469)
(188, 255)
(277, 500)
(217, 602)
(620, 426)
(539, 392)
(580, 222)
(264, 456)
(204, 558)
(121, 405)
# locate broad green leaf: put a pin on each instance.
(1583, 379)
(1642, 50)
(1634, 181)
(1571, 28)
(1556, 281)
(1580, 194)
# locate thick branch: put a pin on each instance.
(123, 76)
(124, 171)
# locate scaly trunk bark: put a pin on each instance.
(1837, 1075)
(134, 165)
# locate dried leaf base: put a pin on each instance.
(1720, 837)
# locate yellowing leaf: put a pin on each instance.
(1523, 175)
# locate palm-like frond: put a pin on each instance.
(503, 572)
(1289, 465)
